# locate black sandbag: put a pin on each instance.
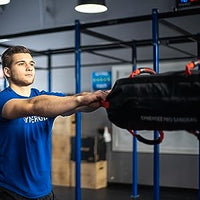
(166, 101)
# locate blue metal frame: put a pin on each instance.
(156, 170)
(49, 73)
(134, 154)
(78, 115)
(134, 170)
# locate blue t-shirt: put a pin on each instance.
(25, 150)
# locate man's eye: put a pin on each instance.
(21, 63)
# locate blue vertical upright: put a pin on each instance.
(134, 155)
(49, 72)
(156, 172)
(78, 115)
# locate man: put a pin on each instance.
(26, 121)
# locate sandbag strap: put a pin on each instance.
(147, 141)
(191, 65)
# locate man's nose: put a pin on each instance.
(29, 67)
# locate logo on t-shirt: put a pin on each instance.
(34, 119)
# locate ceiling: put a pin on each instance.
(106, 38)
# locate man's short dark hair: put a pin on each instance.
(6, 57)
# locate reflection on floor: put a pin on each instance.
(123, 192)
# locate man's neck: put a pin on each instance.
(22, 90)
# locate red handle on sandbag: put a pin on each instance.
(139, 71)
(191, 65)
(105, 104)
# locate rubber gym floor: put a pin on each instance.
(123, 192)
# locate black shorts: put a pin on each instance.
(9, 195)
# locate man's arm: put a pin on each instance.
(52, 106)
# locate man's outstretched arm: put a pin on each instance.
(52, 106)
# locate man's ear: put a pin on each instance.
(6, 72)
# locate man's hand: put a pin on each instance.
(87, 98)
(91, 101)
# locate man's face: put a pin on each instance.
(22, 70)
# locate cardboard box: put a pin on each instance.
(93, 175)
